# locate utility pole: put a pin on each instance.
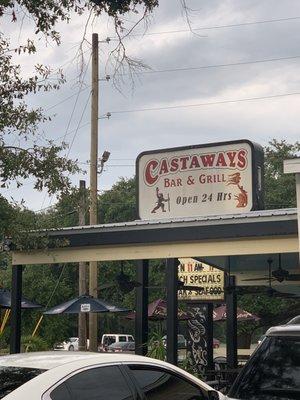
(82, 317)
(93, 284)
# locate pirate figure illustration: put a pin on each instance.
(242, 197)
(160, 202)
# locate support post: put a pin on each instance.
(141, 299)
(82, 317)
(172, 310)
(231, 323)
(292, 166)
(16, 295)
(93, 270)
(200, 337)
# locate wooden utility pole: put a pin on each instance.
(93, 284)
(82, 317)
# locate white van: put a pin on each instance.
(111, 338)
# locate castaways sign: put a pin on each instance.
(209, 279)
(219, 178)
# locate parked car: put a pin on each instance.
(122, 347)
(111, 338)
(273, 370)
(181, 341)
(71, 344)
(85, 376)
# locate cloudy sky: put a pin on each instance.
(247, 33)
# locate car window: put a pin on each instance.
(122, 339)
(273, 372)
(130, 339)
(13, 377)
(108, 340)
(159, 384)
(103, 383)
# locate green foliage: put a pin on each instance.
(19, 162)
(118, 204)
(53, 11)
(280, 189)
(36, 343)
(156, 346)
(43, 163)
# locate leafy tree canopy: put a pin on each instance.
(280, 189)
(21, 154)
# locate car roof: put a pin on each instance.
(68, 362)
(51, 359)
(284, 330)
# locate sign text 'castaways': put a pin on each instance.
(195, 181)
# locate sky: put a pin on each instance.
(258, 39)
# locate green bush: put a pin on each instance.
(36, 343)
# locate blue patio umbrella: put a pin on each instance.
(84, 303)
(5, 301)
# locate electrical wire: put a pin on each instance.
(70, 119)
(205, 104)
(234, 64)
(77, 97)
(210, 27)
(78, 125)
(67, 98)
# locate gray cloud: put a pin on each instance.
(125, 135)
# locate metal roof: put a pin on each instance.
(287, 214)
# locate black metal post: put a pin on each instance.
(141, 298)
(172, 310)
(16, 294)
(231, 323)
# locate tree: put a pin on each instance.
(44, 163)
(280, 189)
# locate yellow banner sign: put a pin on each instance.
(210, 281)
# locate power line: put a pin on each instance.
(77, 97)
(104, 116)
(211, 27)
(205, 104)
(67, 98)
(69, 122)
(267, 60)
(78, 125)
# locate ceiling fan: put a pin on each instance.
(278, 274)
(122, 281)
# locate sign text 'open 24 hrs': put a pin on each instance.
(218, 178)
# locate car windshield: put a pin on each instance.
(13, 377)
(273, 372)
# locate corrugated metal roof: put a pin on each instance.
(253, 216)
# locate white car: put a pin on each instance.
(70, 344)
(86, 376)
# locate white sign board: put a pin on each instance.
(197, 180)
(85, 307)
(208, 278)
